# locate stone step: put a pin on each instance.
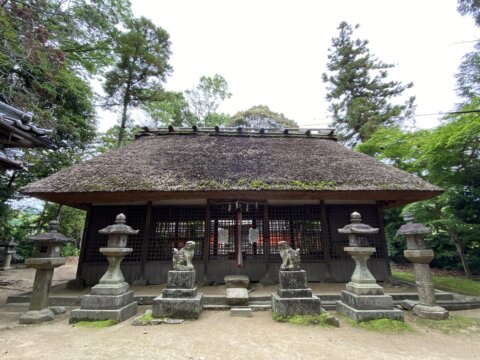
(216, 307)
(237, 296)
(241, 312)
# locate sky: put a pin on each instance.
(273, 52)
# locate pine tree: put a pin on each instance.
(359, 90)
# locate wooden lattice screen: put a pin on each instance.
(339, 215)
(172, 227)
(102, 216)
(224, 228)
(300, 226)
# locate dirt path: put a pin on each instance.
(215, 335)
(218, 336)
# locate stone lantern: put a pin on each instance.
(45, 258)
(110, 298)
(363, 298)
(7, 249)
(421, 257)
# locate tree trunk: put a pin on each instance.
(458, 244)
(123, 124)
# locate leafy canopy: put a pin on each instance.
(261, 116)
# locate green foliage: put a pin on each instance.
(141, 67)
(448, 156)
(379, 325)
(99, 324)
(359, 91)
(206, 97)
(447, 283)
(324, 319)
(171, 109)
(261, 116)
(108, 140)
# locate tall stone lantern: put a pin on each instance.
(420, 256)
(363, 298)
(110, 298)
(45, 258)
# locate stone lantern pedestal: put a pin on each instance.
(293, 296)
(7, 249)
(46, 257)
(110, 299)
(363, 298)
(421, 257)
(180, 298)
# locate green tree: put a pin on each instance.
(261, 116)
(108, 140)
(142, 66)
(172, 109)
(449, 157)
(206, 97)
(359, 91)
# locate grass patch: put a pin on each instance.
(323, 319)
(451, 325)
(379, 325)
(96, 324)
(447, 283)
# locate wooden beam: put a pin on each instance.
(392, 197)
(266, 239)
(238, 245)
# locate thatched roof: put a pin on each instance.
(179, 164)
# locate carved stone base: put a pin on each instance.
(430, 312)
(367, 302)
(182, 308)
(296, 306)
(36, 316)
(364, 315)
(181, 279)
(116, 315)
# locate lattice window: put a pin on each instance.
(102, 216)
(300, 226)
(223, 231)
(252, 231)
(172, 227)
(339, 215)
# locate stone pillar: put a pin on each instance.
(180, 298)
(46, 257)
(421, 257)
(110, 299)
(363, 298)
(293, 296)
(7, 250)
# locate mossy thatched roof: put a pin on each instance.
(199, 162)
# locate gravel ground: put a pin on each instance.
(216, 335)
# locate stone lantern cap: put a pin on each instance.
(51, 236)
(357, 227)
(119, 227)
(410, 228)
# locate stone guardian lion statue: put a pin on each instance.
(290, 257)
(182, 259)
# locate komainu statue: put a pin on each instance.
(182, 259)
(290, 257)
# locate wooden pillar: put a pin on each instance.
(238, 244)
(83, 245)
(206, 241)
(383, 239)
(146, 235)
(266, 239)
(325, 242)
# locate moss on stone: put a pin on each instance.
(96, 324)
(324, 319)
(380, 325)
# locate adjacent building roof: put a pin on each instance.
(241, 163)
(16, 130)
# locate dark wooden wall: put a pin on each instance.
(313, 228)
